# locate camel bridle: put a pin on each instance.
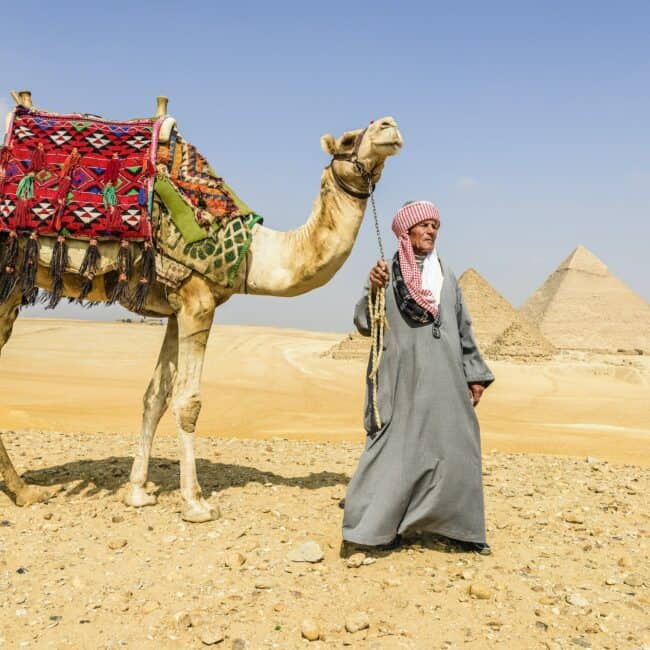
(353, 157)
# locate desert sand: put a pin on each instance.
(566, 471)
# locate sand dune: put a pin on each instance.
(263, 382)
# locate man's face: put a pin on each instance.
(423, 236)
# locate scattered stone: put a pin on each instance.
(183, 620)
(263, 583)
(574, 518)
(582, 642)
(116, 544)
(306, 552)
(357, 622)
(117, 519)
(355, 560)
(624, 562)
(480, 591)
(633, 580)
(577, 600)
(234, 560)
(611, 581)
(310, 629)
(212, 636)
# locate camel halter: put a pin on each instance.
(376, 306)
(353, 158)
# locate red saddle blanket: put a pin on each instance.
(78, 175)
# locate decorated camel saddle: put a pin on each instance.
(84, 194)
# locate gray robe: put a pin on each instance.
(422, 469)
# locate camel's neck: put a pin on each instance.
(297, 261)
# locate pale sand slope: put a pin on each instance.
(263, 382)
(570, 566)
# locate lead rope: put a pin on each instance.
(378, 323)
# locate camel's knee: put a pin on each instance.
(187, 409)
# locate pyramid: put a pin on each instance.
(491, 313)
(583, 306)
(521, 341)
(353, 346)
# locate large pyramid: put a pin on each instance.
(583, 306)
(491, 312)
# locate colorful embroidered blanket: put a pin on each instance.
(78, 175)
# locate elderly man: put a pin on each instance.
(421, 471)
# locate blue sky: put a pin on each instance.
(526, 123)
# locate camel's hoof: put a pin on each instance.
(136, 497)
(31, 494)
(198, 513)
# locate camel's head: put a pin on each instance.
(369, 147)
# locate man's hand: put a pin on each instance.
(378, 276)
(475, 392)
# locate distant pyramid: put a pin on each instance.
(583, 306)
(491, 313)
(353, 346)
(521, 341)
(498, 327)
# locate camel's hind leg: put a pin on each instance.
(156, 401)
(25, 494)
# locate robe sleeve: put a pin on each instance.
(476, 370)
(361, 315)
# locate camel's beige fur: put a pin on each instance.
(278, 263)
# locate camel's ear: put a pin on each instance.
(328, 143)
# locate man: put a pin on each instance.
(421, 471)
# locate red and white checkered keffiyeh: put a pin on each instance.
(408, 216)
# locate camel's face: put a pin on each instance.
(381, 139)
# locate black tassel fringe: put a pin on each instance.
(57, 269)
(146, 278)
(88, 269)
(8, 275)
(28, 271)
(125, 266)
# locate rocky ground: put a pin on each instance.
(569, 569)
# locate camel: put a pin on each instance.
(278, 264)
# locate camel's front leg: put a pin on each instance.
(156, 401)
(194, 322)
(25, 494)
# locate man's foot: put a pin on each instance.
(474, 547)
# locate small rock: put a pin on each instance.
(307, 552)
(577, 600)
(355, 560)
(263, 583)
(357, 622)
(582, 642)
(183, 620)
(574, 518)
(368, 561)
(212, 636)
(480, 591)
(611, 581)
(633, 580)
(310, 630)
(115, 544)
(234, 560)
(624, 562)
(117, 519)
